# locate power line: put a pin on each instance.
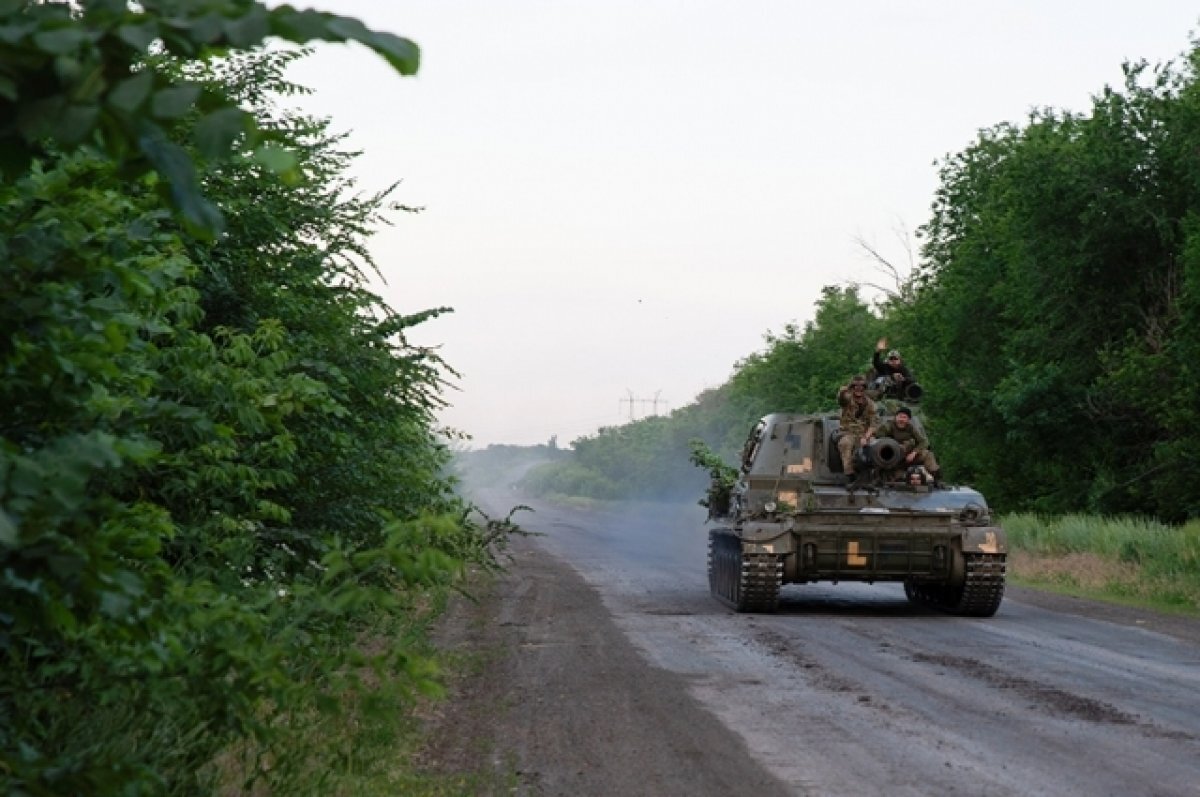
(634, 401)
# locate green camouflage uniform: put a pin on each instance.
(857, 418)
(913, 439)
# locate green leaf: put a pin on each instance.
(138, 451)
(277, 159)
(299, 26)
(175, 101)
(402, 54)
(202, 218)
(108, 7)
(13, 34)
(8, 89)
(130, 93)
(114, 604)
(172, 162)
(76, 122)
(8, 530)
(249, 29)
(37, 120)
(140, 36)
(347, 28)
(115, 336)
(177, 43)
(304, 26)
(61, 41)
(206, 29)
(67, 68)
(60, 616)
(216, 132)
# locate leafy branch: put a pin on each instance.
(723, 478)
(75, 74)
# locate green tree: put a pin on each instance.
(75, 74)
(1054, 321)
(801, 369)
(1052, 304)
(218, 470)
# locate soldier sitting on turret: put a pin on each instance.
(857, 422)
(916, 445)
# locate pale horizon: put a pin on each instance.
(620, 199)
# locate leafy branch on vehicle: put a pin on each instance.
(723, 478)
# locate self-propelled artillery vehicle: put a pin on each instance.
(793, 517)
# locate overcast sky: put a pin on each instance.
(622, 197)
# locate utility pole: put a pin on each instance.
(633, 400)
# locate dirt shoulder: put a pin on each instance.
(553, 700)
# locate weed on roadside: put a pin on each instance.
(1135, 561)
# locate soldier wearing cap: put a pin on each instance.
(857, 421)
(892, 367)
(916, 445)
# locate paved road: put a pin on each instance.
(850, 690)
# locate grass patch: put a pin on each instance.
(1129, 560)
(452, 752)
(374, 744)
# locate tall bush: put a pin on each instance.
(219, 471)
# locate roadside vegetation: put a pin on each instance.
(1052, 317)
(501, 466)
(225, 515)
(1126, 559)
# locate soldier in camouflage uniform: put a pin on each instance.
(857, 422)
(893, 367)
(891, 377)
(916, 445)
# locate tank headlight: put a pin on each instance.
(770, 506)
(974, 514)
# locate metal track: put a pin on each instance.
(984, 588)
(980, 594)
(744, 582)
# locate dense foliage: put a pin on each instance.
(644, 459)
(501, 466)
(221, 489)
(1057, 306)
(1053, 321)
(71, 73)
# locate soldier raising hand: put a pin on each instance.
(891, 366)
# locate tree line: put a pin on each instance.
(223, 492)
(1052, 318)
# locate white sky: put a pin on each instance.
(623, 196)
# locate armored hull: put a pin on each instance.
(794, 518)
